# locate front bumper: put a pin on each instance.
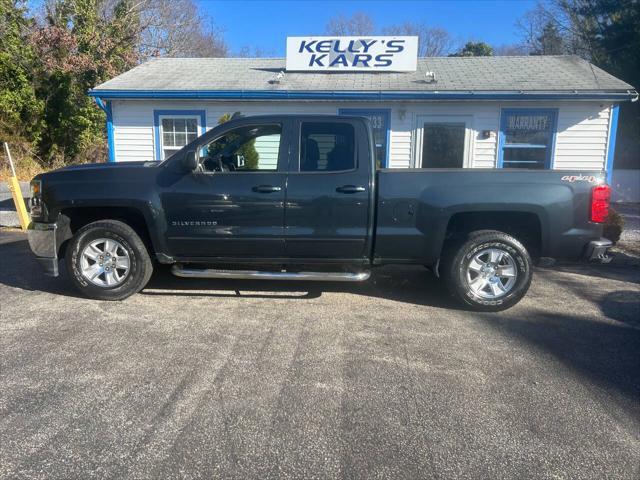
(45, 240)
(597, 250)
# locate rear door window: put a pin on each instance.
(327, 147)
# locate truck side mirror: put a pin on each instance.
(190, 161)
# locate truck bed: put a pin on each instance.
(417, 207)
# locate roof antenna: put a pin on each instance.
(276, 79)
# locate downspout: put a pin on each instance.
(106, 107)
(611, 144)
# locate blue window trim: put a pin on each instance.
(611, 144)
(549, 162)
(356, 95)
(363, 112)
(106, 107)
(162, 113)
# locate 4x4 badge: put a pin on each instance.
(580, 178)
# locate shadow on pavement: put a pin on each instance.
(606, 352)
(412, 284)
(19, 269)
(623, 306)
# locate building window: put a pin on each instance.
(526, 138)
(176, 132)
(381, 129)
(327, 147)
(176, 128)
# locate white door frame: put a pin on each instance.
(421, 119)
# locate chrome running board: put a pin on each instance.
(180, 271)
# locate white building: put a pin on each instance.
(557, 112)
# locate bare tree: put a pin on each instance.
(168, 28)
(554, 18)
(175, 28)
(510, 50)
(359, 23)
(433, 41)
(253, 51)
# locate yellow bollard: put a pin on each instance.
(18, 199)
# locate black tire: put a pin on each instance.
(457, 259)
(140, 265)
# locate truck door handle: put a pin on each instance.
(350, 189)
(266, 188)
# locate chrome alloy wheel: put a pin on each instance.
(492, 273)
(105, 262)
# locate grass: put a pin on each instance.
(24, 171)
(25, 164)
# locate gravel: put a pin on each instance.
(630, 238)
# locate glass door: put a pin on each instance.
(442, 141)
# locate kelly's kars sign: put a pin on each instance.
(392, 54)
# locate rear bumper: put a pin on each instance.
(597, 250)
(45, 240)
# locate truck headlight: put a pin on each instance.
(35, 203)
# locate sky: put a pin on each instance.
(266, 24)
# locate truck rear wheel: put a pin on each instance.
(107, 260)
(488, 271)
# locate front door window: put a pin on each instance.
(253, 148)
(443, 145)
(443, 141)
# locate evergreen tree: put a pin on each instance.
(549, 42)
(474, 49)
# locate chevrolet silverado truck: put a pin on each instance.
(295, 197)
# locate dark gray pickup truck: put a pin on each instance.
(299, 198)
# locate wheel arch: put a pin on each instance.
(78, 217)
(526, 226)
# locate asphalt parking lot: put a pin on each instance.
(194, 379)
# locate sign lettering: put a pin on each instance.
(392, 54)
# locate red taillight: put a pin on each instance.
(600, 197)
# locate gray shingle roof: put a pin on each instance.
(453, 74)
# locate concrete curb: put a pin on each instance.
(8, 214)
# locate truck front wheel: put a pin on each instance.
(488, 271)
(107, 260)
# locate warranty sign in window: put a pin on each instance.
(392, 54)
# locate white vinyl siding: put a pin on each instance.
(580, 142)
(267, 147)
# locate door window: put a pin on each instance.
(526, 138)
(176, 132)
(380, 125)
(327, 147)
(443, 145)
(252, 148)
